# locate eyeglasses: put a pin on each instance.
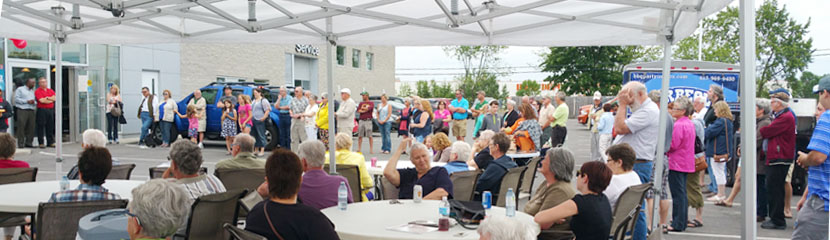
(128, 213)
(168, 158)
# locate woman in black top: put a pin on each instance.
(510, 116)
(281, 216)
(590, 211)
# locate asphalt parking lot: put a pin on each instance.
(719, 222)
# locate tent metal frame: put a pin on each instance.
(146, 10)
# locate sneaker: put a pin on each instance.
(715, 198)
(142, 146)
(201, 145)
(109, 142)
(52, 145)
(770, 225)
(41, 146)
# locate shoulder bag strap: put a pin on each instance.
(270, 224)
(726, 135)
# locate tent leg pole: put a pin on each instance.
(747, 85)
(332, 91)
(661, 135)
(58, 110)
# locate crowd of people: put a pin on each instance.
(623, 151)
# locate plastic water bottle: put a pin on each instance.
(510, 204)
(64, 183)
(444, 209)
(342, 197)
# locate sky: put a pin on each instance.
(426, 63)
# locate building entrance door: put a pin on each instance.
(19, 74)
(91, 97)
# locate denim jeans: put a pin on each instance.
(112, 127)
(713, 184)
(386, 142)
(680, 204)
(165, 131)
(643, 170)
(259, 133)
(285, 131)
(146, 122)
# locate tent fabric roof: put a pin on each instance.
(362, 22)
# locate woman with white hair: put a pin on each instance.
(482, 148)
(344, 155)
(90, 138)
(499, 227)
(510, 116)
(435, 181)
(157, 210)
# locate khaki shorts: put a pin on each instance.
(202, 125)
(459, 128)
(364, 128)
(790, 174)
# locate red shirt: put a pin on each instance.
(8, 163)
(42, 93)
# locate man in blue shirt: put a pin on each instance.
(283, 105)
(460, 152)
(459, 107)
(490, 180)
(814, 205)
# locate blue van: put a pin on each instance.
(215, 91)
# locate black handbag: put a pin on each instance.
(466, 212)
(122, 120)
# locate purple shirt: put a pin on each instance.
(319, 189)
(682, 152)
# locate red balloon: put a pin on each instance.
(19, 43)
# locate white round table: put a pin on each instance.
(370, 220)
(25, 197)
(523, 155)
(378, 169)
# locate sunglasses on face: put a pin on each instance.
(579, 173)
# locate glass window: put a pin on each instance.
(302, 83)
(370, 60)
(34, 50)
(355, 58)
(220, 79)
(261, 80)
(108, 57)
(72, 53)
(341, 55)
(210, 95)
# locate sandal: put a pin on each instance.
(694, 223)
(723, 203)
(790, 215)
(665, 229)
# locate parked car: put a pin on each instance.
(212, 93)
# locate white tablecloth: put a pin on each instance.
(369, 220)
(378, 170)
(523, 155)
(25, 197)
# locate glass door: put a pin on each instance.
(91, 107)
(17, 77)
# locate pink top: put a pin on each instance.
(193, 123)
(244, 111)
(445, 114)
(682, 152)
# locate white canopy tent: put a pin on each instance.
(392, 22)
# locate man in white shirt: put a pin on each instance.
(700, 107)
(621, 159)
(147, 111)
(345, 114)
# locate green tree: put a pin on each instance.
(803, 87)
(583, 70)
(405, 90)
(480, 73)
(783, 48)
(528, 88)
(422, 89)
(443, 90)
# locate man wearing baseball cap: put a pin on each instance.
(780, 138)
(364, 121)
(227, 95)
(345, 114)
(814, 204)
